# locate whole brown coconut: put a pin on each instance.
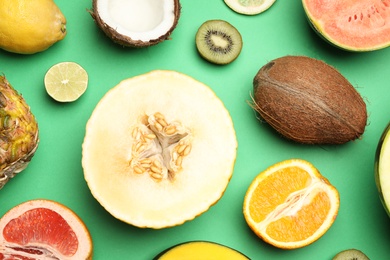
(136, 23)
(308, 101)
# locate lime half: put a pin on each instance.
(66, 81)
(249, 7)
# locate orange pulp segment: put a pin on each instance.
(290, 204)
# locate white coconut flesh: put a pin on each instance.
(159, 149)
(141, 20)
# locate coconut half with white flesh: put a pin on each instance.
(136, 23)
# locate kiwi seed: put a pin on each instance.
(351, 254)
(218, 41)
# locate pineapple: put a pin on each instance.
(18, 132)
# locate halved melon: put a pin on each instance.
(382, 168)
(205, 250)
(159, 149)
(362, 25)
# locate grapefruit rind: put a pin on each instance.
(137, 199)
(85, 247)
(382, 168)
(321, 184)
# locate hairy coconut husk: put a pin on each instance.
(308, 101)
(127, 41)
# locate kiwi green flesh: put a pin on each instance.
(218, 42)
(351, 254)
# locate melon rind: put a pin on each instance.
(382, 169)
(138, 199)
(357, 43)
(199, 249)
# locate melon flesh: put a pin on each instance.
(382, 170)
(362, 25)
(196, 250)
(111, 162)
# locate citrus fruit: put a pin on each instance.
(205, 250)
(382, 168)
(29, 26)
(66, 81)
(362, 25)
(159, 149)
(249, 7)
(37, 229)
(290, 204)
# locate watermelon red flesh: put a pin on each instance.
(35, 229)
(350, 24)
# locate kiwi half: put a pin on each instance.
(351, 254)
(218, 41)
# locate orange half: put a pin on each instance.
(290, 204)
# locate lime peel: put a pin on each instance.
(66, 81)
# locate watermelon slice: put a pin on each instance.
(354, 25)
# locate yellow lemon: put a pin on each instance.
(27, 27)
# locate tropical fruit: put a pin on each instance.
(18, 132)
(136, 23)
(159, 149)
(362, 25)
(195, 250)
(350, 254)
(382, 168)
(290, 204)
(308, 101)
(27, 27)
(66, 81)
(219, 42)
(249, 7)
(43, 229)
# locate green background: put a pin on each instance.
(55, 172)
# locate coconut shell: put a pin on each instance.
(308, 101)
(125, 40)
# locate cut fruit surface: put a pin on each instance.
(167, 154)
(195, 250)
(218, 42)
(351, 254)
(249, 7)
(38, 229)
(290, 204)
(382, 168)
(66, 81)
(136, 23)
(352, 25)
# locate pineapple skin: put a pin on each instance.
(18, 132)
